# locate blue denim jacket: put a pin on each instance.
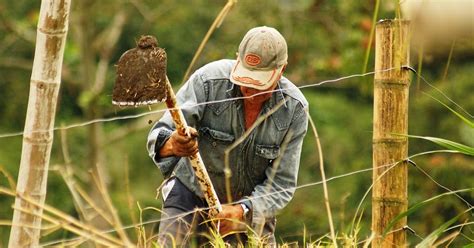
(264, 166)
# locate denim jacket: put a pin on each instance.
(263, 166)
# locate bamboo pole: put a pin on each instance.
(391, 83)
(38, 133)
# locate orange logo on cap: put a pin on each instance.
(252, 59)
(247, 80)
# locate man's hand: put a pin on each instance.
(231, 219)
(180, 145)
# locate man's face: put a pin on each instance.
(258, 96)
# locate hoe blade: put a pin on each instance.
(141, 75)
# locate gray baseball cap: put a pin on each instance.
(263, 54)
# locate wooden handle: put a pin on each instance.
(196, 160)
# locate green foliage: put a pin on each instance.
(462, 117)
(421, 205)
(429, 241)
(448, 144)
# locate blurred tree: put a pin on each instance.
(38, 133)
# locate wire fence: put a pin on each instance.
(299, 187)
(337, 80)
(135, 116)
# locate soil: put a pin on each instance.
(141, 74)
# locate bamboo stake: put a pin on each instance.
(391, 82)
(38, 133)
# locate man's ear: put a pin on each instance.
(283, 69)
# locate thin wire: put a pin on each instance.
(207, 208)
(20, 133)
(82, 124)
(439, 184)
(346, 77)
(393, 165)
(441, 92)
(238, 98)
(404, 228)
(460, 225)
(265, 195)
(126, 117)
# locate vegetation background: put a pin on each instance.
(326, 39)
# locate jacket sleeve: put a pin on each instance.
(187, 98)
(277, 190)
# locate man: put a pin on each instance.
(221, 101)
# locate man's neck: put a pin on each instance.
(251, 111)
(253, 103)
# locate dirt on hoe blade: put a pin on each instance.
(141, 75)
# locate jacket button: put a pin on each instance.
(214, 144)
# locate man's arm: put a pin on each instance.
(165, 146)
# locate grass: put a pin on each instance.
(81, 232)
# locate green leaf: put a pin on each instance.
(371, 36)
(463, 118)
(419, 205)
(447, 144)
(430, 239)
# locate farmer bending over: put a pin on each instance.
(221, 101)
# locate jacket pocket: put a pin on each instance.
(264, 157)
(267, 152)
(217, 135)
(212, 144)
